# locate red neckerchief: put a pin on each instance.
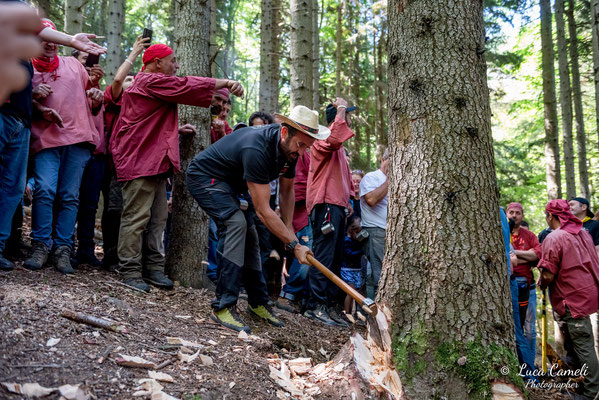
(44, 64)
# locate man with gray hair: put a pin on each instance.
(373, 201)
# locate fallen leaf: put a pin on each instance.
(73, 392)
(231, 385)
(188, 358)
(28, 389)
(212, 342)
(135, 362)
(52, 342)
(206, 360)
(96, 334)
(183, 342)
(242, 335)
(18, 331)
(161, 376)
(323, 351)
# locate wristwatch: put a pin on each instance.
(290, 247)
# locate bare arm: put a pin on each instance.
(117, 83)
(80, 41)
(526, 255)
(373, 198)
(260, 196)
(286, 201)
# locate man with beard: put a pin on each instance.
(219, 179)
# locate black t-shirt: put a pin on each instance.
(543, 234)
(247, 154)
(592, 227)
(19, 103)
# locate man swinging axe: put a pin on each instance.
(219, 178)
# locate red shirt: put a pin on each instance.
(526, 240)
(300, 213)
(145, 140)
(112, 109)
(214, 138)
(573, 259)
(329, 180)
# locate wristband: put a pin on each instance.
(338, 107)
(129, 61)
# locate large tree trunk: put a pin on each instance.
(269, 56)
(315, 56)
(595, 34)
(189, 240)
(444, 274)
(583, 170)
(116, 25)
(339, 35)
(565, 96)
(301, 53)
(552, 164)
(73, 16)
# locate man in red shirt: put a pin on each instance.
(329, 187)
(219, 108)
(145, 150)
(527, 249)
(570, 268)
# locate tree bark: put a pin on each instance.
(269, 56)
(116, 25)
(189, 241)
(565, 96)
(301, 80)
(73, 16)
(213, 45)
(583, 170)
(45, 6)
(595, 40)
(444, 273)
(339, 34)
(552, 163)
(315, 56)
(380, 87)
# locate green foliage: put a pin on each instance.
(478, 365)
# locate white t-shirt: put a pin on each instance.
(373, 216)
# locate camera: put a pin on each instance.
(243, 204)
(327, 228)
(362, 235)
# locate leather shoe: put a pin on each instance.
(137, 283)
(158, 279)
(6, 265)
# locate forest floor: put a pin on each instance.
(38, 345)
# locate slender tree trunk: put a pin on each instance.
(338, 51)
(73, 16)
(595, 35)
(565, 95)
(583, 171)
(315, 55)
(103, 20)
(213, 45)
(269, 56)
(45, 6)
(444, 274)
(189, 242)
(552, 163)
(381, 85)
(116, 25)
(353, 87)
(301, 54)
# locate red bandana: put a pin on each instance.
(155, 51)
(45, 64)
(567, 221)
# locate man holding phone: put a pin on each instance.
(145, 150)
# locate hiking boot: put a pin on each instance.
(320, 314)
(228, 317)
(38, 258)
(288, 305)
(266, 313)
(158, 279)
(88, 258)
(338, 317)
(6, 265)
(61, 258)
(137, 283)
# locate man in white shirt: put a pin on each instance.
(373, 201)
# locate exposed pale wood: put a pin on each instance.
(93, 321)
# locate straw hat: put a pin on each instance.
(306, 121)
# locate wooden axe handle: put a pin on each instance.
(339, 282)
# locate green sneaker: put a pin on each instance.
(266, 313)
(229, 318)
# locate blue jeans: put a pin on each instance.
(212, 246)
(89, 195)
(523, 349)
(298, 273)
(14, 149)
(57, 174)
(530, 331)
